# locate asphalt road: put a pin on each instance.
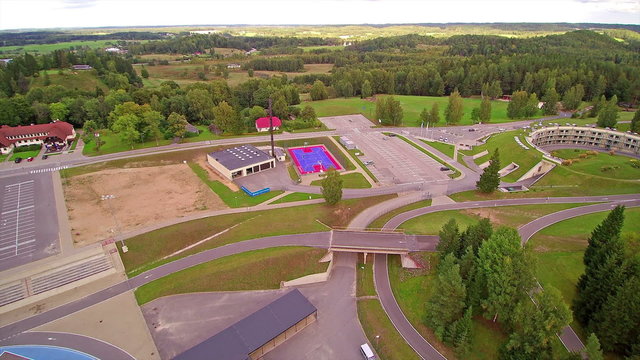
(381, 277)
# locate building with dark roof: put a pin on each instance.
(254, 336)
(57, 133)
(240, 161)
(262, 124)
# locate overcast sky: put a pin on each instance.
(16, 14)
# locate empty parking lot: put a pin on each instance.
(28, 220)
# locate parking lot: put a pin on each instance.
(28, 220)
(395, 161)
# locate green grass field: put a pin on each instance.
(413, 287)
(24, 154)
(349, 181)
(47, 48)
(233, 199)
(513, 216)
(446, 149)
(389, 344)
(293, 197)
(559, 250)
(111, 143)
(252, 270)
(601, 164)
(81, 80)
(364, 283)
(411, 105)
(379, 222)
(154, 248)
(509, 152)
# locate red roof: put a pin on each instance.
(59, 129)
(263, 122)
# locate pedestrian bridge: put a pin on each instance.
(380, 242)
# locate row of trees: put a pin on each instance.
(607, 302)
(487, 272)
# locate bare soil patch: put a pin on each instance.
(141, 197)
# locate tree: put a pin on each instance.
(319, 91)
(517, 105)
(505, 272)
(58, 111)
(490, 178)
(176, 126)
(227, 119)
(144, 73)
(608, 116)
(485, 110)
(592, 349)
(389, 111)
(446, 305)
(366, 91)
(495, 90)
(455, 108)
(435, 113)
(603, 261)
(280, 108)
(550, 102)
(449, 239)
(537, 325)
(152, 120)
(459, 333)
(332, 187)
(573, 97)
(425, 116)
(126, 127)
(597, 105)
(475, 235)
(89, 130)
(532, 106)
(200, 106)
(308, 115)
(475, 115)
(635, 122)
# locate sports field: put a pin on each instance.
(313, 159)
(412, 106)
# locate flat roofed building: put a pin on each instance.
(252, 337)
(624, 142)
(240, 161)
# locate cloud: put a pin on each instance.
(79, 4)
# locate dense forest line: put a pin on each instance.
(52, 37)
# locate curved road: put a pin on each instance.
(381, 274)
(10, 333)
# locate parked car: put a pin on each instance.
(18, 160)
(444, 168)
(45, 156)
(472, 129)
(368, 162)
(30, 159)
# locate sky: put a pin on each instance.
(20, 14)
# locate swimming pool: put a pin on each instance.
(43, 352)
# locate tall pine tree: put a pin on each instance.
(490, 178)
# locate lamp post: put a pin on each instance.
(377, 338)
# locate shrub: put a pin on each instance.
(567, 162)
(583, 156)
(592, 152)
(612, 152)
(27, 148)
(635, 163)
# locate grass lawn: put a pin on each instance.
(509, 152)
(601, 164)
(149, 250)
(111, 143)
(389, 345)
(252, 270)
(413, 287)
(559, 182)
(559, 250)
(349, 181)
(231, 198)
(364, 284)
(446, 149)
(411, 106)
(81, 80)
(513, 216)
(3, 157)
(24, 154)
(455, 173)
(379, 222)
(47, 48)
(297, 197)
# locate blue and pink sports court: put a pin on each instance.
(313, 159)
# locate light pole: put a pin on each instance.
(377, 338)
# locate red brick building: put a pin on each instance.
(55, 134)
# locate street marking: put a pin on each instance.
(38, 171)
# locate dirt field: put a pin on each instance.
(141, 197)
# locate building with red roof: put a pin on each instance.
(262, 124)
(55, 134)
